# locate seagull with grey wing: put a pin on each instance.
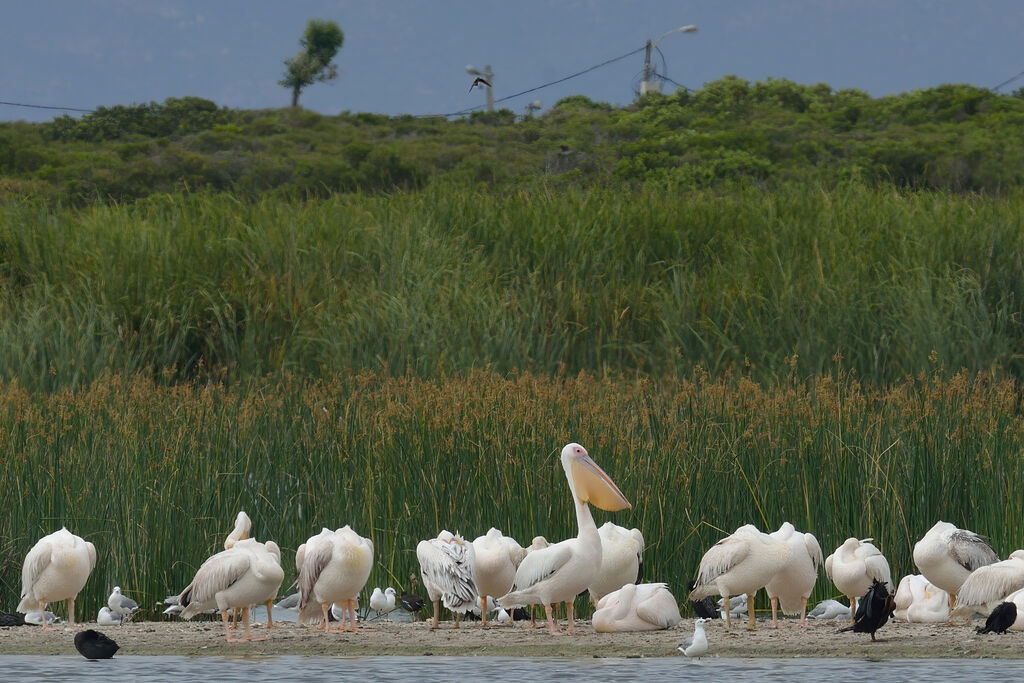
(697, 644)
(121, 605)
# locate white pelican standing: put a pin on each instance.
(56, 568)
(561, 571)
(496, 558)
(792, 585)
(918, 601)
(243, 525)
(247, 574)
(637, 607)
(854, 566)
(446, 565)
(742, 563)
(333, 568)
(622, 552)
(946, 555)
(987, 586)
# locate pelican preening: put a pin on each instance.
(249, 573)
(561, 571)
(854, 567)
(333, 568)
(918, 601)
(622, 552)
(742, 563)
(446, 565)
(637, 607)
(792, 584)
(243, 525)
(495, 560)
(947, 555)
(56, 568)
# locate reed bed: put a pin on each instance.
(454, 278)
(153, 474)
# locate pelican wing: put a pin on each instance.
(813, 550)
(722, 557)
(313, 564)
(970, 550)
(989, 583)
(216, 574)
(541, 564)
(659, 609)
(828, 566)
(91, 549)
(876, 567)
(449, 566)
(37, 560)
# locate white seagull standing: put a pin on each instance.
(622, 551)
(446, 565)
(637, 607)
(561, 571)
(249, 573)
(333, 568)
(383, 602)
(792, 584)
(854, 566)
(123, 606)
(495, 560)
(987, 586)
(947, 555)
(56, 568)
(696, 645)
(742, 563)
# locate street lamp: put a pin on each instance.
(647, 85)
(488, 76)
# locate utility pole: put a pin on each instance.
(647, 85)
(488, 77)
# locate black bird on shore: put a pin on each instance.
(706, 608)
(874, 610)
(1002, 618)
(94, 645)
(411, 602)
(11, 620)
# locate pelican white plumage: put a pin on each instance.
(243, 525)
(446, 565)
(987, 586)
(622, 552)
(122, 605)
(561, 571)
(637, 607)
(333, 568)
(495, 560)
(697, 644)
(248, 573)
(56, 568)
(919, 601)
(741, 563)
(792, 585)
(383, 602)
(946, 555)
(853, 568)
(830, 609)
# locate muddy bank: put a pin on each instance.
(895, 640)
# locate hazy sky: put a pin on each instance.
(409, 56)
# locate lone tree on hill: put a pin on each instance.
(320, 42)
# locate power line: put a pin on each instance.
(45, 106)
(1008, 81)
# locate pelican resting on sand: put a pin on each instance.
(987, 586)
(918, 601)
(622, 552)
(742, 563)
(446, 565)
(248, 574)
(56, 568)
(563, 570)
(854, 567)
(496, 558)
(947, 555)
(333, 568)
(792, 584)
(637, 607)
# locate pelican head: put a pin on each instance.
(589, 482)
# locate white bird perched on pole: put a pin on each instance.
(123, 606)
(697, 644)
(383, 602)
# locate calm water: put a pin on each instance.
(135, 668)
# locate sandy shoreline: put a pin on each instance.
(896, 640)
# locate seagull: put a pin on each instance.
(853, 568)
(742, 563)
(874, 610)
(503, 616)
(947, 555)
(107, 617)
(696, 645)
(35, 618)
(830, 609)
(382, 602)
(737, 606)
(291, 602)
(122, 606)
(479, 81)
(94, 645)
(1002, 618)
(56, 568)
